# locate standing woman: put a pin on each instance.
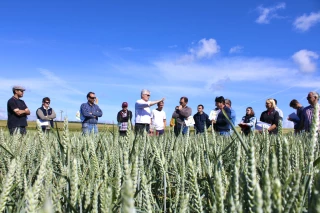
(124, 116)
(248, 122)
(270, 116)
(46, 113)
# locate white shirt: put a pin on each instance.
(157, 119)
(280, 112)
(142, 112)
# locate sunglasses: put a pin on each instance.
(92, 97)
(147, 95)
(47, 102)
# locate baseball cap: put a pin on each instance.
(18, 88)
(124, 104)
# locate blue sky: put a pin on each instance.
(246, 51)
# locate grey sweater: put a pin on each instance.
(181, 115)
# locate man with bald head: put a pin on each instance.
(307, 114)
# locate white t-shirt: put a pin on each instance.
(143, 112)
(157, 119)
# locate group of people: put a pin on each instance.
(154, 121)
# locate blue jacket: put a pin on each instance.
(90, 113)
(200, 120)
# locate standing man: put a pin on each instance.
(17, 112)
(307, 114)
(46, 113)
(181, 113)
(278, 110)
(89, 113)
(233, 113)
(221, 125)
(124, 116)
(201, 119)
(143, 112)
(158, 119)
(298, 125)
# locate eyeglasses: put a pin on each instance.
(92, 97)
(181, 102)
(147, 95)
(47, 102)
(20, 90)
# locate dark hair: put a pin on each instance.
(89, 93)
(227, 101)
(294, 103)
(252, 112)
(45, 99)
(201, 106)
(220, 99)
(275, 100)
(160, 103)
(185, 99)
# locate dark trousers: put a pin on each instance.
(140, 128)
(21, 129)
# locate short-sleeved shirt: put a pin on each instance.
(13, 119)
(157, 119)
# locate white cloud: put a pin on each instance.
(206, 49)
(306, 60)
(236, 49)
(304, 22)
(268, 13)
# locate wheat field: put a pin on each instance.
(69, 172)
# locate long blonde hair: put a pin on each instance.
(273, 103)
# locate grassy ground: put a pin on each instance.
(76, 126)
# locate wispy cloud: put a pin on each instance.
(305, 22)
(306, 60)
(268, 13)
(173, 46)
(236, 49)
(129, 49)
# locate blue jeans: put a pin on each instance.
(224, 133)
(87, 128)
(177, 129)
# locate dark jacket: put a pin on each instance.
(222, 124)
(271, 118)
(200, 120)
(121, 118)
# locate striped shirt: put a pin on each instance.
(307, 116)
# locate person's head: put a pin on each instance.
(200, 108)
(220, 102)
(294, 104)
(145, 94)
(46, 102)
(183, 101)
(313, 98)
(249, 111)
(91, 96)
(124, 105)
(160, 105)
(228, 102)
(18, 91)
(275, 101)
(270, 103)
